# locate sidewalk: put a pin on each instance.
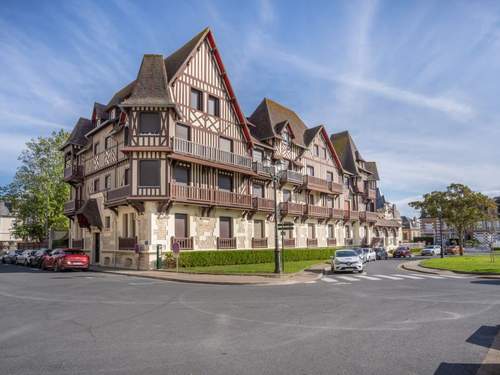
(311, 274)
(414, 265)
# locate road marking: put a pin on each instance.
(348, 278)
(457, 277)
(367, 277)
(429, 276)
(408, 276)
(389, 277)
(329, 280)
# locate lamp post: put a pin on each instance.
(441, 232)
(277, 252)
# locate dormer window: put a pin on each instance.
(196, 99)
(286, 137)
(149, 123)
(316, 151)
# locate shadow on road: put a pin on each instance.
(467, 369)
(484, 336)
(486, 282)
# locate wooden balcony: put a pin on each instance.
(291, 177)
(210, 154)
(351, 215)
(127, 243)
(317, 211)
(77, 244)
(336, 213)
(263, 204)
(117, 195)
(359, 186)
(316, 184)
(312, 242)
(370, 194)
(73, 173)
(226, 243)
(289, 242)
(70, 207)
(261, 169)
(370, 217)
(292, 209)
(259, 243)
(197, 195)
(331, 242)
(388, 223)
(185, 243)
(336, 188)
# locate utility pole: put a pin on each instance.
(441, 232)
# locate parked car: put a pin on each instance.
(381, 253)
(402, 252)
(361, 254)
(431, 250)
(36, 259)
(24, 257)
(347, 260)
(372, 257)
(11, 256)
(65, 259)
(452, 250)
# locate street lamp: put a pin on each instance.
(275, 177)
(440, 215)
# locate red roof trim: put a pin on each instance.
(230, 90)
(332, 149)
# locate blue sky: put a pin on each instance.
(416, 83)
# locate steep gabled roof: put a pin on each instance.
(371, 167)
(346, 150)
(100, 111)
(151, 86)
(119, 96)
(310, 134)
(77, 136)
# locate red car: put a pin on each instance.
(402, 252)
(65, 259)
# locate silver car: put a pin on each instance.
(23, 258)
(431, 250)
(347, 260)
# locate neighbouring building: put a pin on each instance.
(410, 228)
(172, 159)
(7, 220)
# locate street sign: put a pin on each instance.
(176, 248)
(286, 226)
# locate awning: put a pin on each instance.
(89, 215)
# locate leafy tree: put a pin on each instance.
(38, 192)
(459, 207)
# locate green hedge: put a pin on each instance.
(231, 257)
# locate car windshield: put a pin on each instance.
(74, 252)
(359, 251)
(345, 253)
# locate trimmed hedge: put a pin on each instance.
(231, 257)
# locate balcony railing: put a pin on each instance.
(388, 223)
(336, 213)
(351, 215)
(289, 242)
(208, 153)
(70, 207)
(186, 193)
(73, 173)
(335, 187)
(317, 211)
(359, 186)
(290, 208)
(261, 169)
(371, 193)
(370, 217)
(312, 242)
(127, 243)
(315, 183)
(77, 244)
(292, 177)
(262, 204)
(226, 243)
(331, 242)
(259, 243)
(117, 194)
(185, 243)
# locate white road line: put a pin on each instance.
(427, 275)
(457, 277)
(389, 277)
(329, 280)
(367, 277)
(408, 276)
(348, 278)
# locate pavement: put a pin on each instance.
(390, 321)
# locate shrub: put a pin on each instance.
(416, 250)
(231, 257)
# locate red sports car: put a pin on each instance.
(65, 259)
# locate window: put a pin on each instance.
(107, 182)
(258, 229)
(107, 222)
(324, 153)
(108, 142)
(182, 132)
(316, 150)
(258, 156)
(149, 173)
(226, 144)
(287, 195)
(125, 226)
(131, 224)
(96, 148)
(311, 199)
(125, 136)
(181, 226)
(347, 232)
(286, 137)
(225, 227)
(126, 177)
(96, 185)
(181, 174)
(289, 232)
(213, 106)
(329, 202)
(310, 171)
(225, 182)
(149, 123)
(331, 232)
(258, 190)
(329, 176)
(311, 231)
(196, 99)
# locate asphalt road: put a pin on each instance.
(96, 323)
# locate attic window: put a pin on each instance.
(213, 106)
(286, 137)
(316, 150)
(149, 123)
(196, 99)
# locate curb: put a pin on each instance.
(438, 271)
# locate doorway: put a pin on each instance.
(97, 247)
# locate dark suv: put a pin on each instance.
(381, 253)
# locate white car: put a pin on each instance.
(431, 250)
(23, 258)
(347, 260)
(371, 255)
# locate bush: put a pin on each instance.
(231, 257)
(416, 250)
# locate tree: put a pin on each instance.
(459, 206)
(38, 192)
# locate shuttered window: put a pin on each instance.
(149, 123)
(225, 227)
(149, 173)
